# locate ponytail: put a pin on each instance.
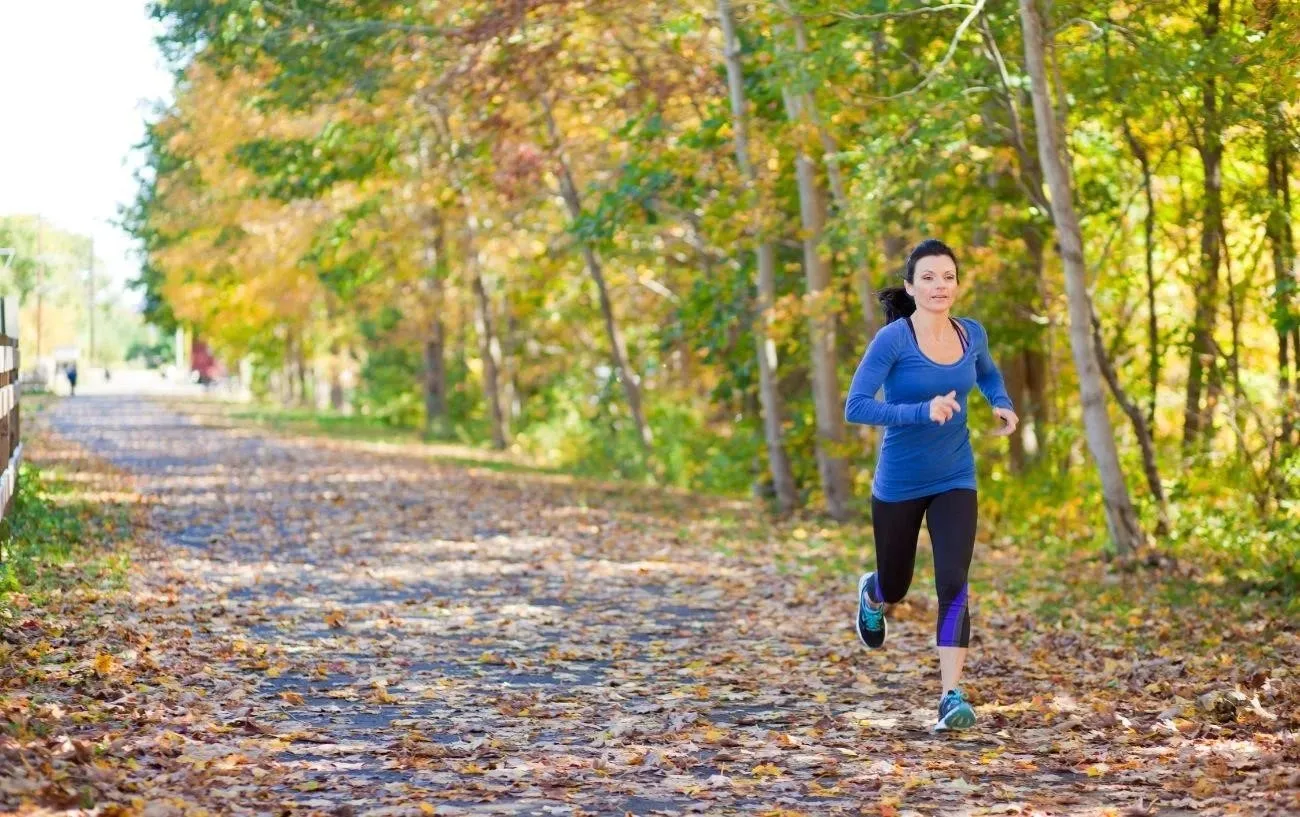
(897, 303)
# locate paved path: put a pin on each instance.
(383, 630)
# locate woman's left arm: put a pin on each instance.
(987, 376)
(991, 385)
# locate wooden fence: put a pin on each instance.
(11, 442)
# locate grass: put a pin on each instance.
(687, 457)
(353, 427)
(590, 486)
(67, 523)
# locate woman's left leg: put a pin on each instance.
(951, 520)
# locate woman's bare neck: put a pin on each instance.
(931, 322)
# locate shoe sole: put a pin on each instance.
(961, 717)
(857, 620)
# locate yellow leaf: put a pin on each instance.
(104, 664)
(767, 770)
(293, 698)
(334, 619)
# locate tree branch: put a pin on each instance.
(947, 57)
(898, 15)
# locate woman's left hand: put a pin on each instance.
(1009, 422)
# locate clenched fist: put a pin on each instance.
(943, 407)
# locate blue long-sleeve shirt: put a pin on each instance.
(918, 456)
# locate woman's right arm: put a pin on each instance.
(862, 405)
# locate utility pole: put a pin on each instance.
(90, 307)
(40, 285)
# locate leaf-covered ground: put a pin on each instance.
(317, 627)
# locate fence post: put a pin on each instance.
(10, 422)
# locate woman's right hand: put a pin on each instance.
(943, 407)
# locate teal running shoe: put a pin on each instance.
(955, 712)
(870, 622)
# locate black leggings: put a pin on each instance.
(950, 516)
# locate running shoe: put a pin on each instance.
(870, 622)
(955, 712)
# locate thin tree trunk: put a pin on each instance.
(511, 360)
(1196, 418)
(489, 349)
(1285, 177)
(1149, 245)
(1282, 249)
(569, 191)
(831, 464)
(290, 382)
(436, 421)
(336, 383)
(787, 497)
(1140, 429)
(1213, 397)
(1037, 356)
(1234, 318)
(304, 398)
(839, 195)
(1121, 518)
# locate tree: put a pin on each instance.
(1121, 518)
(765, 286)
(831, 464)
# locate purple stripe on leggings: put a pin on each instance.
(952, 622)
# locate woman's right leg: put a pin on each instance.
(897, 526)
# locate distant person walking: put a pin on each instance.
(928, 362)
(71, 373)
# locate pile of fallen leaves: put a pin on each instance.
(336, 632)
(98, 713)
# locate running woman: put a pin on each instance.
(928, 361)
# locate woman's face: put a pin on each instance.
(934, 283)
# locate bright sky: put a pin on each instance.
(77, 79)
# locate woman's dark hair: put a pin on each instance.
(895, 300)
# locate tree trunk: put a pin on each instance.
(290, 398)
(1196, 418)
(489, 349)
(1282, 249)
(1140, 429)
(1038, 355)
(1149, 245)
(569, 191)
(1234, 320)
(304, 397)
(787, 497)
(1121, 518)
(336, 386)
(831, 464)
(511, 356)
(436, 421)
(839, 196)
